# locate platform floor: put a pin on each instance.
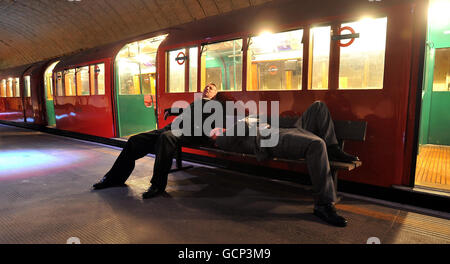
(46, 197)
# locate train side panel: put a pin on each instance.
(384, 109)
(90, 114)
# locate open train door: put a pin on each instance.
(48, 93)
(432, 170)
(135, 84)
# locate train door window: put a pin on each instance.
(320, 38)
(182, 70)
(27, 80)
(148, 72)
(69, 82)
(275, 61)
(16, 87)
(129, 82)
(221, 64)
(59, 84)
(176, 71)
(17, 92)
(100, 79)
(97, 76)
(361, 63)
(147, 60)
(441, 76)
(148, 78)
(9, 88)
(193, 69)
(82, 77)
(3, 88)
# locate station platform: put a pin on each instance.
(46, 196)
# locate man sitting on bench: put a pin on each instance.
(311, 137)
(163, 143)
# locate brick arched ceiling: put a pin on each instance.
(34, 30)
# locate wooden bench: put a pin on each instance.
(345, 131)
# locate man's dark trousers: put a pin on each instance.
(162, 143)
(310, 137)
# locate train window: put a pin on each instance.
(275, 61)
(27, 80)
(82, 77)
(320, 38)
(59, 84)
(362, 63)
(69, 82)
(97, 73)
(441, 79)
(176, 71)
(3, 88)
(9, 87)
(222, 64)
(16, 87)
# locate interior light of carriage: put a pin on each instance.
(438, 13)
(265, 33)
(143, 58)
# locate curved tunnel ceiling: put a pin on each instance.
(34, 30)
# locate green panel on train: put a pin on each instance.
(435, 117)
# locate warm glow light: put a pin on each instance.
(265, 33)
(438, 13)
(143, 58)
(321, 38)
(365, 19)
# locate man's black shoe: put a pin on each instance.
(328, 214)
(153, 191)
(335, 153)
(103, 184)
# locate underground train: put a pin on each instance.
(364, 59)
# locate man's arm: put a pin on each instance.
(174, 111)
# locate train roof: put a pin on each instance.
(98, 53)
(94, 54)
(14, 72)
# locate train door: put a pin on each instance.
(48, 83)
(432, 169)
(27, 102)
(135, 81)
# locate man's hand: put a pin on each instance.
(166, 114)
(216, 132)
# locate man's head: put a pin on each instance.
(210, 91)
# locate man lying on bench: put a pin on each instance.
(312, 138)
